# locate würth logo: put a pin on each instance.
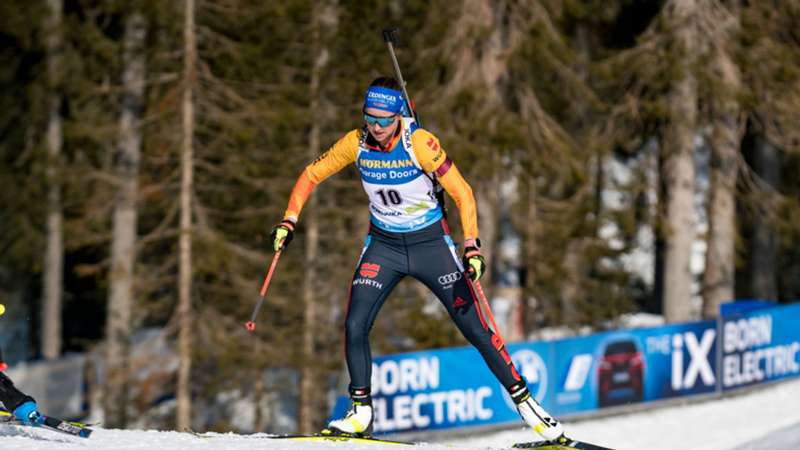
(367, 282)
(459, 302)
(369, 270)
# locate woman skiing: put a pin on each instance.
(400, 165)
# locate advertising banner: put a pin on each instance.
(760, 345)
(449, 388)
(631, 366)
(442, 389)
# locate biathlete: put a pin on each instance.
(400, 165)
(23, 407)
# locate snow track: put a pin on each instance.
(763, 419)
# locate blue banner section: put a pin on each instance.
(449, 388)
(760, 345)
(434, 390)
(629, 366)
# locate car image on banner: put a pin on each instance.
(620, 373)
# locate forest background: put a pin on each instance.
(148, 147)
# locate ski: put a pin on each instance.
(50, 423)
(328, 435)
(325, 435)
(318, 437)
(566, 444)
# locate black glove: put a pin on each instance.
(282, 235)
(474, 263)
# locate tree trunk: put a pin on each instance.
(720, 271)
(123, 244)
(764, 245)
(54, 252)
(183, 394)
(259, 391)
(487, 199)
(310, 392)
(530, 249)
(572, 292)
(679, 172)
(510, 263)
(311, 399)
(308, 384)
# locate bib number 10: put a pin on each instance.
(389, 197)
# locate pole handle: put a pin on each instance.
(390, 35)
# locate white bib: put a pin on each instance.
(401, 195)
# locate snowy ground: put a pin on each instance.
(760, 420)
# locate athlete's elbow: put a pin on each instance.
(467, 197)
(468, 193)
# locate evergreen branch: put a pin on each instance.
(154, 277)
(165, 229)
(221, 44)
(206, 230)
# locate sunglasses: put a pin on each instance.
(382, 121)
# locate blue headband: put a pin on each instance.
(384, 99)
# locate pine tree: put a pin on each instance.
(678, 169)
(126, 159)
(324, 18)
(768, 57)
(725, 89)
(185, 317)
(21, 121)
(54, 252)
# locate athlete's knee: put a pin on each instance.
(355, 331)
(472, 329)
(476, 337)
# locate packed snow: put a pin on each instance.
(762, 419)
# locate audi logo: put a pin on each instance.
(450, 278)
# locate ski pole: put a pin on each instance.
(251, 325)
(390, 37)
(482, 297)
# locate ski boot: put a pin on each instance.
(21, 406)
(358, 420)
(535, 416)
(28, 414)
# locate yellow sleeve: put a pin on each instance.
(458, 188)
(434, 160)
(429, 153)
(342, 153)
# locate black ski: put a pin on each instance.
(566, 444)
(50, 423)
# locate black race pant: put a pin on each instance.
(10, 396)
(429, 256)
